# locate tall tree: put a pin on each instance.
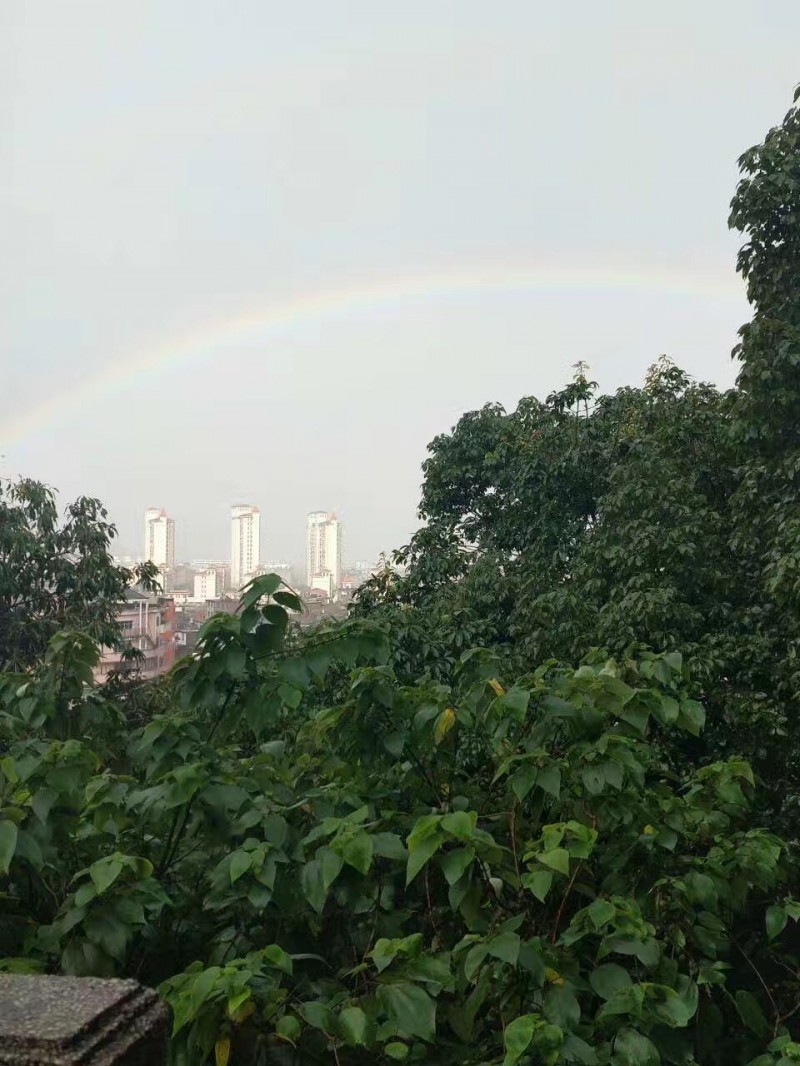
(56, 575)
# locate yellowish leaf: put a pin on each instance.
(444, 723)
(222, 1051)
(496, 687)
(244, 1013)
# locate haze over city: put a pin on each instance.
(266, 253)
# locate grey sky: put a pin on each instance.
(167, 166)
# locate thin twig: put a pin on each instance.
(763, 983)
(563, 903)
(430, 907)
(513, 828)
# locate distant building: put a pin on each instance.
(245, 543)
(283, 570)
(323, 550)
(323, 583)
(187, 631)
(159, 542)
(222, 567)
(207, 585)
(147, 623)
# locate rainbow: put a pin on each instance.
(211, 340)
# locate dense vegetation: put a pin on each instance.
(535, 802)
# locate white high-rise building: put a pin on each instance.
(245, 543)
(208, 585)
(159, 541)
(323, 550)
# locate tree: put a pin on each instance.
(766, 504)
(56, 576)
(494, 870)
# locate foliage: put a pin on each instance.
(53, 576)
(666, 516)
(487, 872)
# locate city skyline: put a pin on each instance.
(322, 554)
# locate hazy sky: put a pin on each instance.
(264, 252)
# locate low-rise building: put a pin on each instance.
(147, 623)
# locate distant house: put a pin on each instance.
(147, 623)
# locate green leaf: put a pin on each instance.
(692, 717)
(608, 979)
(104, 873)
(557, 859)
(85, 894)
(577, 1050)
(295, 673)
(539, 883)
(518, 1035)
(421, 853)
(634, 1049)
(751, 1013)
(646, 951)
(668, 1007)
(523, 781)
(288, 599)
(455, 863)
(516, 700)
(460, 824)
(43, 802)
(385, 951)
(474, 960)
(396, 1050)
(594, 780)
(288, 1028)
(235, 660)
(505, 947)
(561, 1007)
(331, 865)
(636, 716)
(626, 1000)
(410, 1007)
(318, 1015)
(259, 588)
(389, 846)
(549, 780)
(240, 864)
(275, 956)
(8, 845)
(357, 852)
(600, 912)
(353, 1026)
(290, 695)
(313, 885)
(776, 921)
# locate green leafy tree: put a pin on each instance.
(766, 505)
(487, 871)
(53, 575)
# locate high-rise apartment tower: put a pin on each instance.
(159, 541)
(245, 543)
(323, 548)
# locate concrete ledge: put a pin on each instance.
(58, 1021)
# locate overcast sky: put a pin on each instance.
(390, 171)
